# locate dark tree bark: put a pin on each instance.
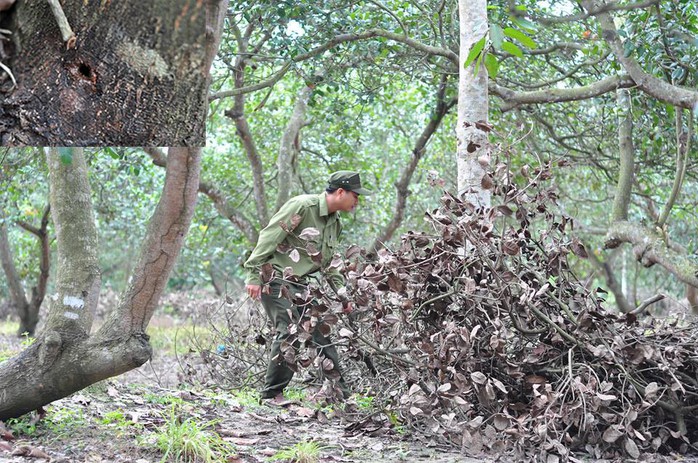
(136, 74)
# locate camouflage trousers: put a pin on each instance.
(280, 310)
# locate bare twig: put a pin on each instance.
(647, 302)
(9, 73)
(66, 32)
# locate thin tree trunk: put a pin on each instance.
(442, 108)
(29, 318)
(243, 128)
(289, 145)
(627, 157)
(164, 239)
(473, 145)
(18, 297)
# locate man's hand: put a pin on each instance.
(254, 291)
(347, 307)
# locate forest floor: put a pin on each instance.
(139, 416)
(144, 415)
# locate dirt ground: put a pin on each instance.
(120, 420)
(256, 431)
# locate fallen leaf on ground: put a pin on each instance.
(243, 441)
(29, 451)
(304, 411)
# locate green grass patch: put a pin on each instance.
(9, 327)
(295, 393)
(59, 422)
(7, 354)
(364, 402)
(302, 452)
(166, 399)
(247, 397)
(186, 440)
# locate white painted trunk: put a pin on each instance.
(473, 146)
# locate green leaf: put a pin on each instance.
(525, 40)
(474, 52)
(677, 74)
(524, 23)
(496, 36)
(492, 65)
(512, 49)
(478, 62)
(65, 155)
(111, 152)
(628, 48)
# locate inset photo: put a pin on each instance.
(105, 73)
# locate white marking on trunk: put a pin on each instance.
(74, 302)
(71, 315)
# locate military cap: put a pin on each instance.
(347, 180)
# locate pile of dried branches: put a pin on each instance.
(480, 333)
(492, 341)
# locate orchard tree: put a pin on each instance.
(550, 71)
(67, 356)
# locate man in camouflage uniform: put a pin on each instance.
(282, 247)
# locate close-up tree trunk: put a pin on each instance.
(135, 74)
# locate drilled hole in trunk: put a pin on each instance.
(85, 70)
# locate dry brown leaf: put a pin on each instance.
(631, 448)
(612, 434)
(31, 452)
(478, 377)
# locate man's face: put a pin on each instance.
(348, 200)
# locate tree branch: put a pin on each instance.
(290, 144)
(657, 88)
(650, 248)
(442, 108)
(337, 40)
(627, 157)
(512, 99)
(222, 205)
(682, 149)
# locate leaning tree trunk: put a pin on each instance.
(65, 357)
(136, 74)
(473, 146)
